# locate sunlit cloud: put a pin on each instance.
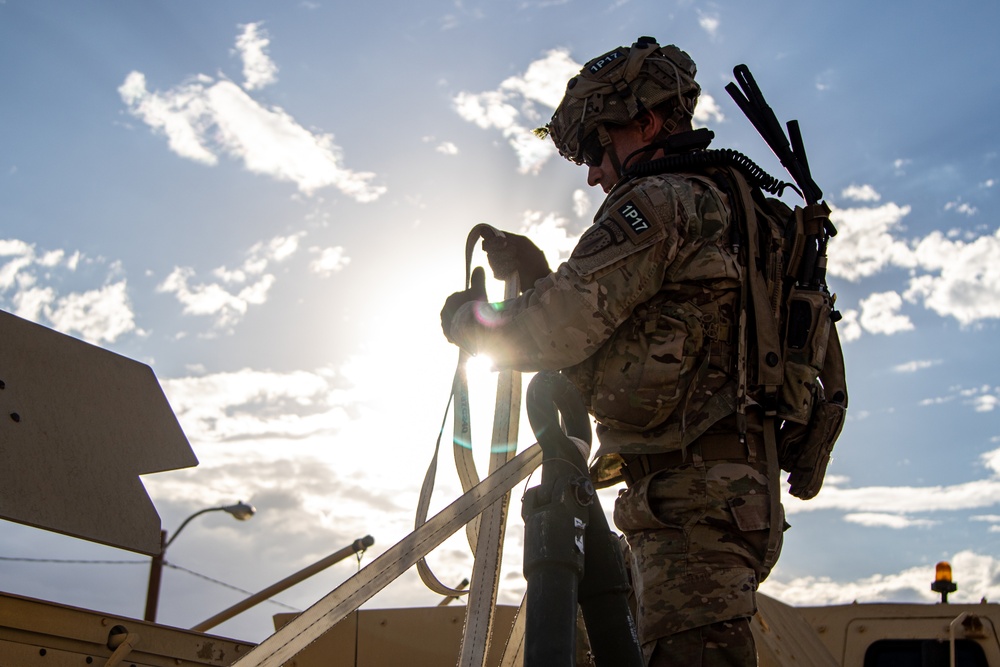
(880, 520)
(258, 68)
(99, 316)
(211, 299)
(521, 103)
(865, 243)
(329, 261)
(248, 404)
(953, 277)
(904, 500)
(447, 148)
(966, 279)
(986, 402)
(206, 117)
(581, 203)
(247, 285)
(707, 112)
(879, 314)
(961, 207)
(860, 193)
(550, 233)
(709, 23)
(916, 365)
(980, 577)
(527, 101)
(848, 327)
(29, 281)
(826, 80)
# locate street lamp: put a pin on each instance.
(240, 511)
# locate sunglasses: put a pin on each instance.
(591, 151)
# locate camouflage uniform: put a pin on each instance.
(643, 318)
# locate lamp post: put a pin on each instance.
(240, 511)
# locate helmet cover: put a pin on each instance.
(618, 86)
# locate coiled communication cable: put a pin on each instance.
(723, 157)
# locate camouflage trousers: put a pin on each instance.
(697, 538)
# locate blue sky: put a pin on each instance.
(268, 202)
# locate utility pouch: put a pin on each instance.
(806, 337)
(804, 449)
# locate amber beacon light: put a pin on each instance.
(942, 581)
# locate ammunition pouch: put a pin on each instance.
(810, 317)
(804, 449)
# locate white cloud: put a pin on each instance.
(330, 260)
(864, 244)
(447, 148)
(250, 404)
(916, 365)
(904, 500)
(226, 307)
(258, 68)
(707, 112)
(550, 233)
(581, 202)
(967, 284)
(961, 207)
(980, 577)
(709, 23)
(986, 402)
(848, 328)
(513, 108)
(229, 305)
(182, 115)
(954, 277)
(879, 314)
(860, 193)
(205, 117)
(525, 101)
(826, 80)
(880, 520)
(279, 248)
(939, 400)
(99, 315)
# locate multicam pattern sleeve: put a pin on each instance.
(643, 229)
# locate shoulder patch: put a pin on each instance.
(624, 226)
(632, 219)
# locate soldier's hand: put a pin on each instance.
(513, 253)
(476, 292)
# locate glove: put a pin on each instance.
(512, 253)
(476, 292)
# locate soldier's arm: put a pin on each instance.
(618, 263)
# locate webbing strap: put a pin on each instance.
(770, 376)
(491, 524)
(513, 653)
(465, 464)
(493, 521)
(776, 522)
(305, 628)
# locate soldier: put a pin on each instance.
(644, 318)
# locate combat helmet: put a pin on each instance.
(617, 87)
